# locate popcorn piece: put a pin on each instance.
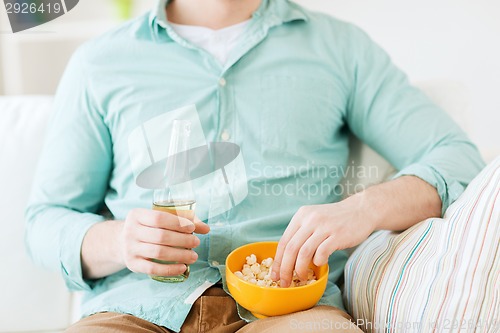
(267, 262)
(300, 283)
(261, 283)
(251, 259)
(247, 271)
(255, 268)
(260, 274)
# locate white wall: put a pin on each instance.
(32, 61)
(457, 39)
(1, 61)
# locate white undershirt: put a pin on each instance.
(218, 43)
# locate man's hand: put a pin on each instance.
(149, 234)
(315, 232)
(145, 234)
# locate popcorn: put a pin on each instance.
(260, 274)
(251, 259)
(247, 271)
(267, 262)
(255, 269)
(261, 283)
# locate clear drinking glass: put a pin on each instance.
(177, 196)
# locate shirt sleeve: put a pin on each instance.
(71, 179)
(401, 123)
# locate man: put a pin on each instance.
(283, 83)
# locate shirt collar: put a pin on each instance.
(276, 10)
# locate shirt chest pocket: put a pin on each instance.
(297, 115)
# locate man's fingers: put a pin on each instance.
(290, 231)
(158, 219)
(326, 248)
(200, 227)
(151, 268)
(306, 254)
(290, 255)
(278, 257)
(165, 253)
(166, 237)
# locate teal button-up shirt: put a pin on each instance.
(294, 87)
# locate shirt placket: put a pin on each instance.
(227, 131)
(225, 78)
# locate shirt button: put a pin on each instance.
(222, 82)
(225, 135)
(215, 263)
(218, 224)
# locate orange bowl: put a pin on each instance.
(266, 301)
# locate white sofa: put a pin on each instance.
(33, 300)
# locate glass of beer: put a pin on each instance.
(177, 196)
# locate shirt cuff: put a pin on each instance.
(70, 251)
(448, 189)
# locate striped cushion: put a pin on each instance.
(441, 275)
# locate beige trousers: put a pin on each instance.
(206, 316)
